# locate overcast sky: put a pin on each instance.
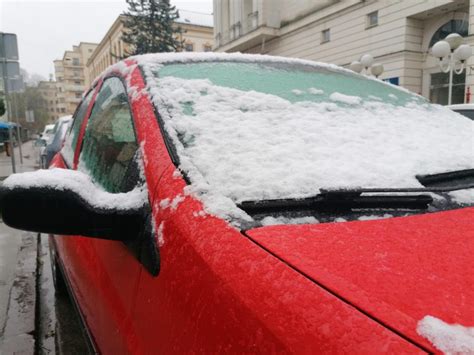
(45, 29)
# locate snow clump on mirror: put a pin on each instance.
(81, 184)
(449, 338)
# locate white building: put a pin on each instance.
(399, 34)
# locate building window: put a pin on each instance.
(325, 36)
(439, 88)
(207, 48)
(75, 61)
(63, 110)
(453, 26)
(77, 82)
(372, 19)
(188, 47)
(76, 73)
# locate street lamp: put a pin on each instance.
(450, 52)
(367, 62)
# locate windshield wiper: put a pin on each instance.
(459, 177)
(357, 199)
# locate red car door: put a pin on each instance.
(104, 274)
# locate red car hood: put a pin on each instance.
(395, 270)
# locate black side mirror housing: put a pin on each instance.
(64, 212)
(61, 211)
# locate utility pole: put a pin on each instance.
(7, 101)
(18, 133)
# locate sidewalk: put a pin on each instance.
(18, 262)
(30, 160)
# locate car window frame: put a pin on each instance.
(89, 113)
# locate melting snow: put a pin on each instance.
(449, 338)
(81, 184)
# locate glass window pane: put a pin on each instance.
(71, 140)
(110, 144)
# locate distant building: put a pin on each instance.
(197, 36)
(49, 93)
(399, 34)
(72, 77)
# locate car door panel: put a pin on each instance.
(104, 277)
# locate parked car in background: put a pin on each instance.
(464, 109)
(229, 203)
(48, 133)
(56, 142)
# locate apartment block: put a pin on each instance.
(71, 76)
(197, 36)
(399, 34)
(49, 93)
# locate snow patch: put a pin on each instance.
(269, 221)
(463, 197)
(449, 338)
(159, 235)
(81, 184)
(374, 217)
(315, 91)
(346, 99)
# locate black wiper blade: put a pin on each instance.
(460, 177)
(341, 200)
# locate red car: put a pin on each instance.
(228, 203)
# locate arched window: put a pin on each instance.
(453, 26)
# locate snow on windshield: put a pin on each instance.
(240, 145)
(81, 184)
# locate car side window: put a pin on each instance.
(71, 139)
(109, 146)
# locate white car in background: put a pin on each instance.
(464, 109)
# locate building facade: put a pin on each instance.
(49, 93)
(197, 36)
(71, 77)
(399, 34)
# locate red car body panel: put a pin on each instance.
(220, 290)
(396, 270)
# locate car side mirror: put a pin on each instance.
(67, 202)
(64, 212)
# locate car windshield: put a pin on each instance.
(256, 131)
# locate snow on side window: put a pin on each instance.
(253, 131)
